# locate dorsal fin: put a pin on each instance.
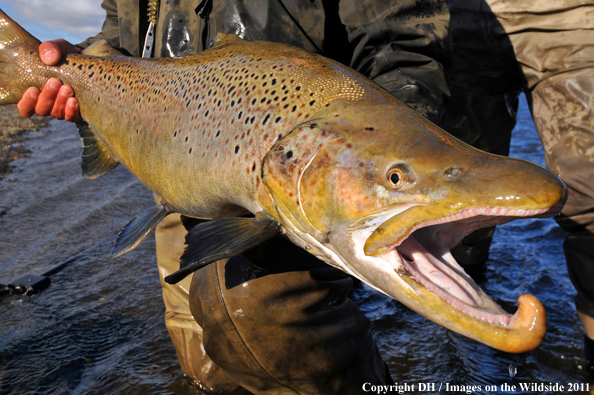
(96, 159)
(101, 48)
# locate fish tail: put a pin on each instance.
(19, 57)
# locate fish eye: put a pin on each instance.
(395, 179)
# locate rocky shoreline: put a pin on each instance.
(12, 135)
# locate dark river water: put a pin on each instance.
(98, 329)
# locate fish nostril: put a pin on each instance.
(452, 172)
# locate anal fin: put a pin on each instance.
(96, 159)
(222, 238)
(137, 230)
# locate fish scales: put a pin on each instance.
(209, 118)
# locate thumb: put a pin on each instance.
(51, 52)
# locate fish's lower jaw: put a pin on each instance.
(467, 310)
(519, 333)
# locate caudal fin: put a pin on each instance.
(19, 56)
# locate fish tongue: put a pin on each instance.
(436, 271)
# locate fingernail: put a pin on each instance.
(33, 93)
(53, 84)
(49, 56)
(66, 91)
(72, 103)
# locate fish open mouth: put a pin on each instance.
(425, 255)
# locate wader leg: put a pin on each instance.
(563, 109)
(287, 331)
(185, 333)
(484, 96)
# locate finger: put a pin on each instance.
(28, 102)
(64, 94)
(72, 112)
(51, 52)
(47, 97)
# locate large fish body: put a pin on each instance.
(343, 168)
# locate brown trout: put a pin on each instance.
(315, 151)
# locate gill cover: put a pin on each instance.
(285, 164)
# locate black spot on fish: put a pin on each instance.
(277, 120)
(236, 148)
(266, 119)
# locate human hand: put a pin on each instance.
(55, 99)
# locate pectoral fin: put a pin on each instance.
(137, 229)
(222, 238)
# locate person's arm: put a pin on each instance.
(110, 31)
(56, 99)
(403, 47)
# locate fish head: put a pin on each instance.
(383, 194)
